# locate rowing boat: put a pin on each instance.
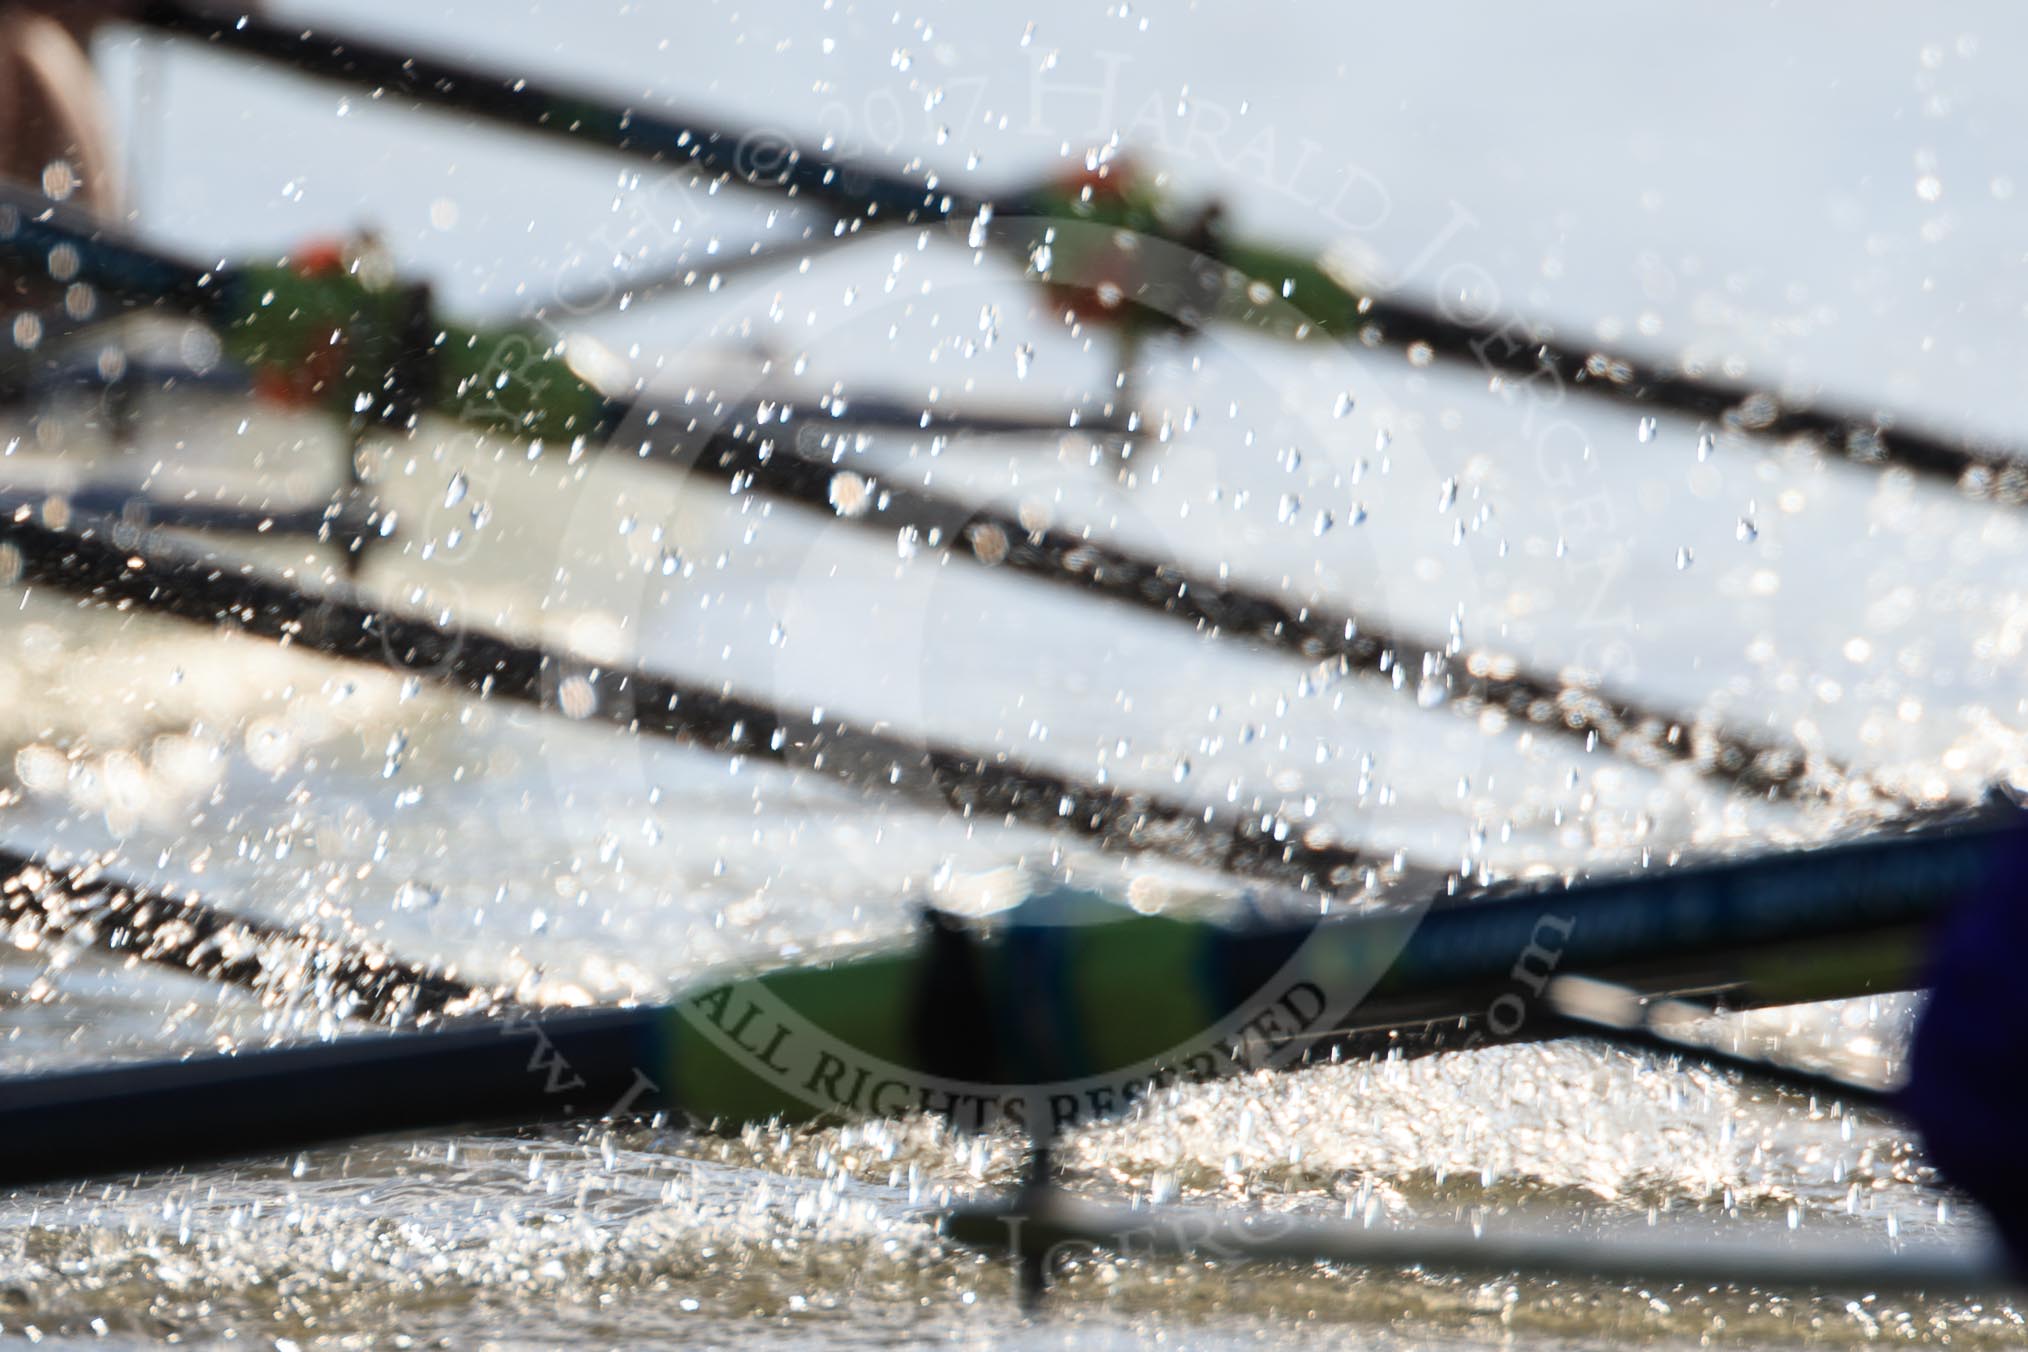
(1070, 1008)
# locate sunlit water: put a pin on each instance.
(519, 845)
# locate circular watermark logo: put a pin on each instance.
(1255, 502)
(1147, 570)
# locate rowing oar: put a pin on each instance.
(1041, 1226)
(1069, 1010)
(788, 407)
(189, 935)
(1055, 1226)
(1623, 1017)
(976, 785)
(131, 513)
(325, 336)
(1114, 247)
(45, 380)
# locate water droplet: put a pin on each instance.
(397, 745)
(1684, 558)
(59, 179)
(850, 494)
(576, 697)
(989, 543)
(454, 492)
(413, 896)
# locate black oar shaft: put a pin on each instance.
(757, 158)
(1550, 368)
(509, 1071)
(131, 512)
(1312, 631)
(1051, 1225)
(973, 784)
(65, 243)
(191, 936)
(1618, 1015)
